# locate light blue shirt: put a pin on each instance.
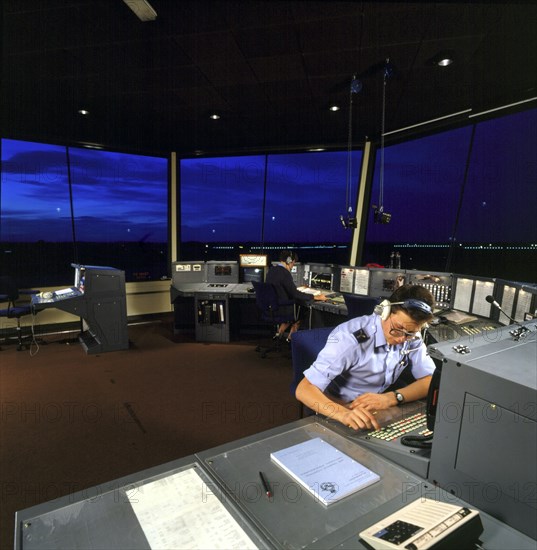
(356, 359)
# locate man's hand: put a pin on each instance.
(374, 401)
(359, 418)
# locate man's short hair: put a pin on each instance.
(414, 292)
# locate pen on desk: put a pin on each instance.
(266, 486)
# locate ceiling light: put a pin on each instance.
(143, 9)
(215, 116)
(316, 149)
(92, 146)
(443, 59)
(334, 108)
(83, 112)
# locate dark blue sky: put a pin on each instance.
(116, 196)
(121, 197)
(423, 181)
(222, 198)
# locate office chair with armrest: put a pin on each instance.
(9, 292)
(305, 346)
(359, 305)
(273, 311)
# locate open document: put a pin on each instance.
(180, 511)
(326, 472)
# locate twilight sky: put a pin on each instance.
(122, 197)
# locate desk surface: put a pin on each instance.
(105, 517)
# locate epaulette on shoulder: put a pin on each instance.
(361, 335)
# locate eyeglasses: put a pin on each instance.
(398, 332)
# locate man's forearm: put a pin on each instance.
(317, 401)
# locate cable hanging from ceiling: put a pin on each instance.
(379, 215)
(349, 221)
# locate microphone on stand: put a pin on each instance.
(490, 299)
(518, 333)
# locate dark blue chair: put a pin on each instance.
(305, 346)
(359, 305)
(9, 293)
(273, 311)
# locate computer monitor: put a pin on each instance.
(320, 276)
(252, 268)
(252, 274)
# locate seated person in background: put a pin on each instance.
(280, 277)
(365, 356)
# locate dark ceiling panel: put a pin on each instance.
(270, 68)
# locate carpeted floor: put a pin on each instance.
(69, 421)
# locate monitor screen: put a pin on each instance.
(321, 281)
(252, 274)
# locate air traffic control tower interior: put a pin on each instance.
(156, 158)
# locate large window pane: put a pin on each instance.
(497, 230)
(121, 211)
(35, 216)
(221, 206)
(306, 195)
(422, 183)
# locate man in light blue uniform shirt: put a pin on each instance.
(366, 355)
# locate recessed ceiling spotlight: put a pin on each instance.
(334, 108)
(444, 62)
(215, 116)
(443, 58)
(83, 112)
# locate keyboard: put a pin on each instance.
(65, 293)
(308, 290)
(415, 425)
